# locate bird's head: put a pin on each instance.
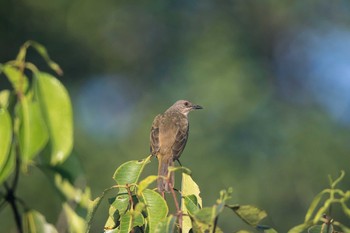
(185, 106)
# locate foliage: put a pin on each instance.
(314, 215)
(36, 132)
(138, 208)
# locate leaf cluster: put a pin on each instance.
(36, 131)
(138, 208)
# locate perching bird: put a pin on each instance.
(168, 138)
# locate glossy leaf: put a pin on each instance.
(5, 137)
(156, 207)
(57, 111)
(129, 172)
(34, 222)
(33, 133)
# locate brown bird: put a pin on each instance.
(168, 138)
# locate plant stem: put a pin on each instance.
(178, 210)
(11, 199)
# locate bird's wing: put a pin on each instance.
(180, 139)
(154, 136)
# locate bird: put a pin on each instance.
(168, 138)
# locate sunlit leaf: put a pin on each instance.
(33, 133)
(76, 223)
(126, 223)
(57, 111)
(191, 204)
(119, 206)
(188, 188)
(9, 165)
(129, 220)
(249, 214)
(4, 98)
(156, 208)
(5, 137)
(34, 222)
(145, 183)
(129, 172)
(18, 80)
(167, 225)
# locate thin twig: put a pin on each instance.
(215, 223)
(178, 210)
(11, 199)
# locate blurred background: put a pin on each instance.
(273, 77)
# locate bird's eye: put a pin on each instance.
(186, 104)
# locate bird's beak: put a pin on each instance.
(197, 107)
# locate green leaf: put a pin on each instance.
(5, 137)
(57, 111)
(118, 207)
(4, 98)
(33, 133)
(156, 208)
(126, 223)
(18, 80)
(34, 222)
(76, 223)
(188, 188)
(145, 183)
(206, 215)
(93, 206)
(9, 165)
(249, 214)
(191, 204)
(129, 172)
(167, 225)
(129, 220)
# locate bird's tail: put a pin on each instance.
(164, 184)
